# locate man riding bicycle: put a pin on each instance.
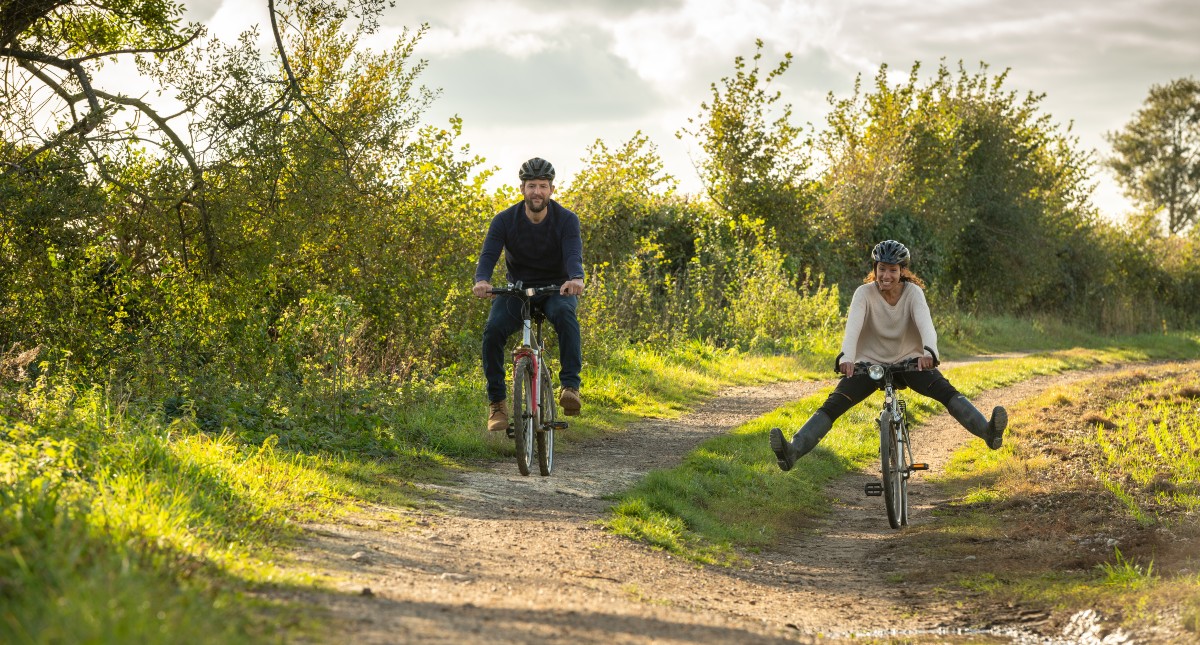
(542, 246)
(888, 322)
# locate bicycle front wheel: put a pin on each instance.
(545, 435)
(523, 421)
(893, 476)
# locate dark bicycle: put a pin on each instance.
(895, 450)
(535, 413)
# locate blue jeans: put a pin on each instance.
(505, 319)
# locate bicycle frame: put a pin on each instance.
(894, 406)
(535, 416)
(531, 346)
(895, 449)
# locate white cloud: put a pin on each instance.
(505, 27)
(669, 46)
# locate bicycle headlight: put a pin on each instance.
(875, 372)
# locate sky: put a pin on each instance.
(537, 78)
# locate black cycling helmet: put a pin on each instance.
(890, 252)
(536, 168)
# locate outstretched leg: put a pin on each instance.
(786, 453)
(934, 385)
(991, 431)
(848, 393)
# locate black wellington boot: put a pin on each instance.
(992, 432)
(806, 439)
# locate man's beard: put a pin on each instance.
(532, 205)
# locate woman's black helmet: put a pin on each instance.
(536, 168)
(890, 252)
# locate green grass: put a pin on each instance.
(1125, 574)
(1153, 438)
(117, 527)
(639, 383)
(967, 334)
(1125, 447)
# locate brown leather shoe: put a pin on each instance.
(569, 401)
(497, 416)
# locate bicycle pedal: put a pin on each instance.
(873, 489)
(919, 467)
(512, 433)
(558, 425)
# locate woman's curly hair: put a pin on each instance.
(905, 276)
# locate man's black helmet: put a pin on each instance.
(891, 252)
(536, 168)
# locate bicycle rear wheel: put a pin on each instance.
(893, 476)
(545, 434)
(523, 421)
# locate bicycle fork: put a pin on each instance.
(532, 349)
(896, 409)
(529, 349)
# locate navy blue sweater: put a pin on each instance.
(549, 252)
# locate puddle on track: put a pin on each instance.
(1084, 628)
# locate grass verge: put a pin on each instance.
(1093, 505)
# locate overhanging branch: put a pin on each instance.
(299, 91)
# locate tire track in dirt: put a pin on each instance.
(521, 559)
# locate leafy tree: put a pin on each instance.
(755, 161)
(875, 146)
(304, 172)
(620, 197)
(1157, 154)
(985, 188)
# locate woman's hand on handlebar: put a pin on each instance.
(482, 289)
(926, 363)
(847, 369)
(572, 287)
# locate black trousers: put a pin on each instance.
(852, 390)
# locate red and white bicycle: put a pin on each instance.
(535, 413)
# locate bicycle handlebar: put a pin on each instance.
(520, 290)
(906, 365)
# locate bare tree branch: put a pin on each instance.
(159, 50)
(300, 96)
(97, 115)
(16, 16)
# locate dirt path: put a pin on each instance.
(521, 559)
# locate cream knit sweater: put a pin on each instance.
(883, 333)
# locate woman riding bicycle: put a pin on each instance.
(888, 322)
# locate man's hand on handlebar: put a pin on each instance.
(483, 289)
(572, 287)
